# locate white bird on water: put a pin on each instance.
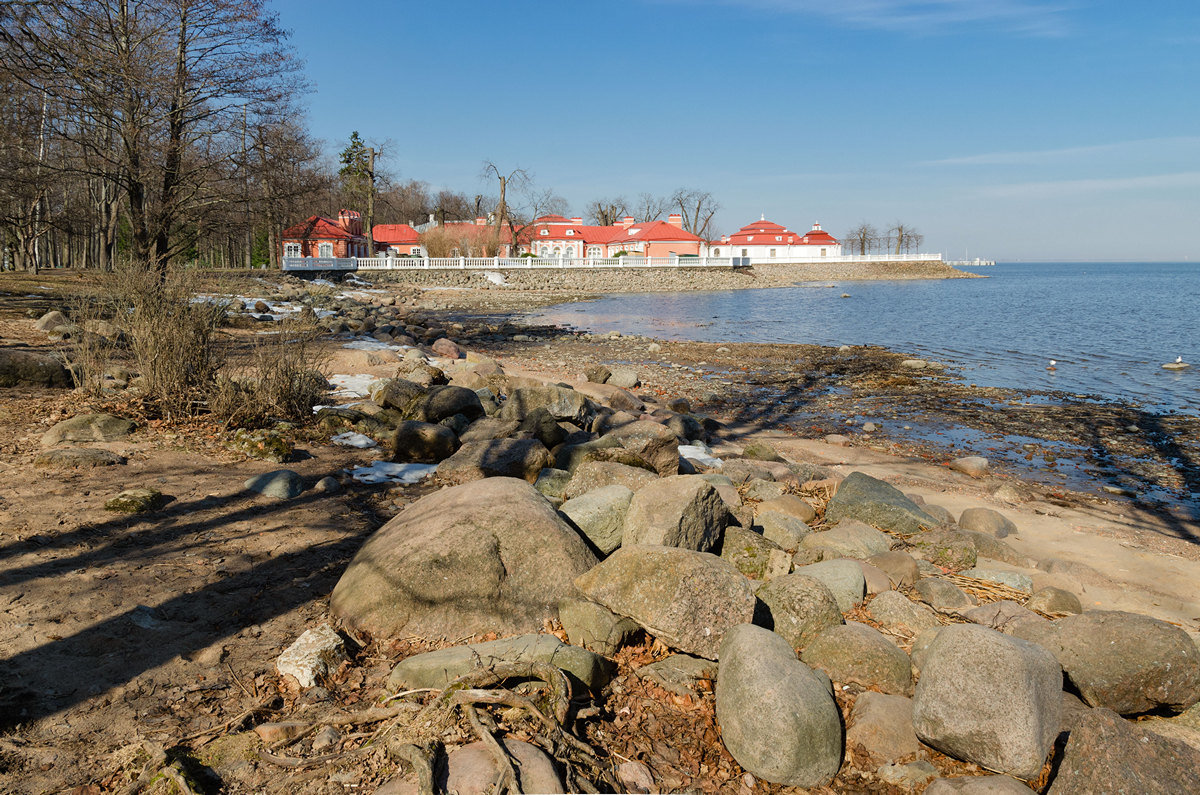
(1178, 364)
(1052, 363)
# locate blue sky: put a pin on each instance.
(1009, 129)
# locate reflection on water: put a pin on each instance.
(1108, 326)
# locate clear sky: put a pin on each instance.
(1006, 129)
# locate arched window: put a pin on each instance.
(593, 251)
(716, 252)
(557, 252)
(544, 251)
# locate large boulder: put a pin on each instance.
(594, 626)
(541, 425)
(985, 520)
(612, 396)
(749, 552)
(422, 441)
(800, 608)
(1105, 753)
(29, 368)
(472, 770)
(514, 458)
(88, 428)
(686, 599)
(396, 393)
(600, 515)
(562, 403)
(978, 785)
(491, 556)
(655, 443)
(857, 654)
(592, 475)
(849, 539)
(778, 718)
(948, 549)
(1126, 662)
(785, 530)
(896, 611)
(442, 402)
(677, 511)
(790, 505)
(990, 699)
(879, 504)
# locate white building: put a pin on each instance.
(765, 240)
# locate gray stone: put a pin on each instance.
(137, 500)
(900, 568)
(748, 551)
(541, 425)
(761, 490)
(328, 485)
(447, 348)
(844, 578)
(1054, 600)
(777, 717)
(487, 428)
(423, 441)
(561, 402)
(919, 652)
(440, 668)
(283, 484)
(600, 515)
(490, 556)
(76, 457)
(686, 599)
(878, 504)
(985, 520)
(977, 785)
(849, 539)
(597, 373)
(896, 611)
(912, 775)
(988, 546)
(677, 511)
(88, 428)
(881, 724)
(472, 770)
(943, 595)
(441, 402)
(1002, 616)
(315, 655)
(974, 465)
(786, 531)
(1013, 579)
(990, 699)
(51, 320)
(32, 369)
(396, 393)
(743, 470)
(624, 377)
(877, 579)
(943, 516)
(946, 549)
(591, 475)
(514, 458)
(1126, 662)
(678, 673)
(799, 608)
(1105, 753)
(791, 505)
(761, 451)
(860, 655)
(652, 441)
(552, 483)
(594, 626)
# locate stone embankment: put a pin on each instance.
(638, 280)
(810, 600)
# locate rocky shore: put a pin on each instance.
(614, 567)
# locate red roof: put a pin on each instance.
(318, 227)
(395, 235)
(558, 227)
(763, 232)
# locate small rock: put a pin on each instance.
(75, 457)
(282, 484)
(985, 520)
(900, 567)
(882, 724)
(135, 501)
(88, 428)
(894, 610)
(328, 485)
(977, 785)
(790, 505)
(974, 465)
(943, 595)
(679, 673)
(908, 776)
(635, 776)
(761, 451)
(837, 440)
(678, 511)
(285, 730)
(624, 378)
(786, 531)
(848, 539)
(315, 654)
(1013, 579)
(1002, 616)
(1054, 600)
(594, 626)
(877, 580)
(600, 515)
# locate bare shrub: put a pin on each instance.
(283, 380)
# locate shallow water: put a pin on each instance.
(1109, 326)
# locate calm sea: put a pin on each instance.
(1109, 326)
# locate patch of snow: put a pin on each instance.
(373, 345)
(700, 454)
(387, 472)
(351, 385)
(352, 439)
(495, 277)
(323, 283)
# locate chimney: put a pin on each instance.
(627, 222)
(577, 221)
(350, 221)
(816, 227)
(676, 220)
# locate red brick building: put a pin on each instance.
(324, 237)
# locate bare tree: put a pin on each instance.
(903, 237)
(606, 212)
(517, 179)
(697, 208)
(649, 207)
(862, 238)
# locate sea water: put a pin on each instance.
(1108, 326)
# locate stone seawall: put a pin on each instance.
(636, 280)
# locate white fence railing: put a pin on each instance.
(503, 263)
(848, 258)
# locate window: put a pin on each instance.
(778, 238)
(745, 253)
(544, 251)
(291, 250)
(822, 252)
(772, 252)
(324, 249)
(593, 251)
(716, 252)
(570, 231)
(557, 252)
(544, 232)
